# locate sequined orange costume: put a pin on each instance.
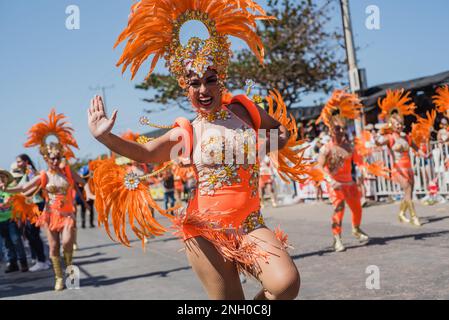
(225, 206)
(58, 190)
(222, 182)
(58, 186)
(402, 167)
(394, 107)
(348, 192)
(336, 159)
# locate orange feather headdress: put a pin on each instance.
(154, 26)
(341, 106)
(441, 100)
(289, 161)
(396, 102)
(57, 127)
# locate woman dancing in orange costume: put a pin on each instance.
(58, 186)
(394, 107)
(223, 218)
(335, 161)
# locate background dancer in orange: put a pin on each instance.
(394, 107)
(441, 101)
(335, 160)
(58, 186)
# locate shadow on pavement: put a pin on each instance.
(96, 254)
(373, 242)
(19, 284)
(106, 245)
(99, 281)
(433, 219)
(101, 260)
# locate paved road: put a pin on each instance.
(412, 262)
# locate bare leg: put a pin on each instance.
(53, 243)
(279, 277)
(68, 239)
(219, 277)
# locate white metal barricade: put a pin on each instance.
(425, 170)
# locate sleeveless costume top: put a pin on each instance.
(59, 210)
(227, 170)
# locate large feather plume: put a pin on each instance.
(396, 101)
(342, 104)
(441, 100)
(289, 161)
(55, 125)
(150, 29)
(117, 203)
(423, 127)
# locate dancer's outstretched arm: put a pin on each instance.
(155, 151)
(26, 188)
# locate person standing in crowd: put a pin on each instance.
(168, 183)
(8, 229)
(86, 204)
(266, 181)
(25, 167)
(443, 133)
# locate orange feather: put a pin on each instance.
(55, 125)
(117, 204)
(396, 101)
(346, 105)
(422, 129)
(24, 210)
(441, 99)
(289, 161)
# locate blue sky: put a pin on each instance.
(44, 65)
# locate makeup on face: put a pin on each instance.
(205, 92)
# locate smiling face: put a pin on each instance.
(397, 124)
(53, 155)
(204, 93)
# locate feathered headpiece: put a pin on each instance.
(396, 102)
(423, 127)
(57, 127)
(441, 100)
(154, 27)
(341, 106)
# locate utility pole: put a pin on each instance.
(103, 93)
(354, 77)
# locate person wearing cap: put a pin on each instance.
(9, 230)
(88, 204)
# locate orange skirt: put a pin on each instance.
(56, 222)
(403, 169)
